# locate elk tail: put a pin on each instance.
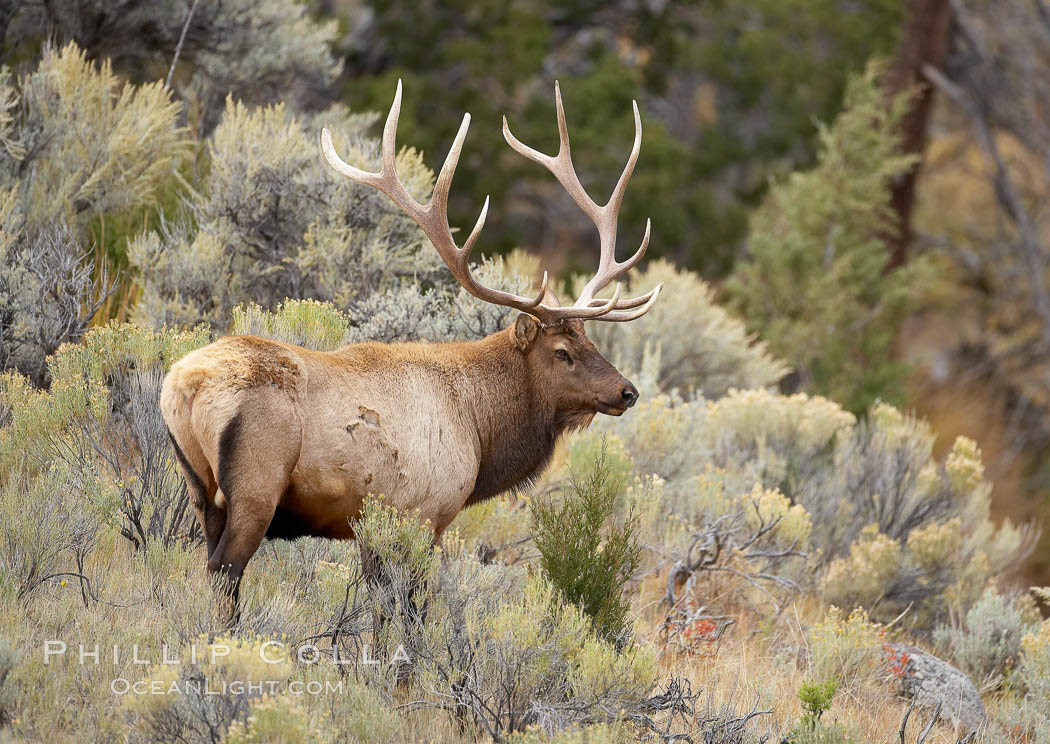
(176, 408)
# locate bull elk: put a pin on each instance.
(277, 441)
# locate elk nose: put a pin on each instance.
(630, 395)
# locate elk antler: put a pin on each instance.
(433, 219)
(603, 217)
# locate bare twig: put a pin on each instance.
(904, 721)
(929, 726)
(178, 47)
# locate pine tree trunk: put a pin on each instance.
(924, 41)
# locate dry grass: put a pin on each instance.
(767, 660)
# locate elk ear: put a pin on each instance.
(525, 329)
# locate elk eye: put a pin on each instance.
(562, 354)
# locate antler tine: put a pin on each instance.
(561, 164)
(585, 313)
(444, 180)
(564, 169)
(628, 170)
(627, 304)
(433, 218)
(468, 246)
(389, 169)
(340, 165)
(621, 316)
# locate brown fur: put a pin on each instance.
(284, 441)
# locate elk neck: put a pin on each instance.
(517, 425)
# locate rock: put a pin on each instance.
(933, 682)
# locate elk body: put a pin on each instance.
(279, 441)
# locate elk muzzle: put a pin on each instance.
(628, 396)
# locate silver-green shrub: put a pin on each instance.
(260, 50)
(77, 143)
(893, 526)
(406, 312)
(444, 311)
(47, 545)
(271, 221)
(123, 461)
(701, 346)
(988, 644)
(529, 659)
(307, 323)
(81, 142)
(96, 435)
(9, 658)
(202, 698)
(887, 526)
(47, 292)
(1035, 672)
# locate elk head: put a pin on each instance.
(563, 365)
(568, 373)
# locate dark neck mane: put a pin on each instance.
(517, 429)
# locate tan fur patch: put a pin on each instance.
(254, 363)
(237, 363)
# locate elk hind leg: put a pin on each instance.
(257, 452)
(202, 487)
